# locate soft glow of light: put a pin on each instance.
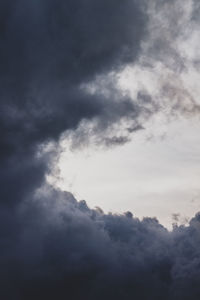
(151, 176)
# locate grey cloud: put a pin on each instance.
(116, 140)
(169, 53)
(48, 49)
(51, 246)
(63, 249)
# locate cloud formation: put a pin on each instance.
(59, 248)
(49, 50)
(168, 67)
(53, 247)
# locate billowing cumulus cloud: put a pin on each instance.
(49, 51)
(58, 63)
(59, 248)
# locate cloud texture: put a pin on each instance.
(59, 249)
(52, 55)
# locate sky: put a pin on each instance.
(99, 149)
(156, 174)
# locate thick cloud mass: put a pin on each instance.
(51, 246)
(61, 249)
(48, 50)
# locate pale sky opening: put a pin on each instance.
(153, 175)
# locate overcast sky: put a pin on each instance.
(99, 149)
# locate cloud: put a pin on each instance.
(62, 249)
(49, 50)
(52, 246)
(168, 67)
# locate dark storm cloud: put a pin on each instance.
(48, 49)
(51, 246)
(62, 249)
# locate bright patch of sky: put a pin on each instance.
(151, 176)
